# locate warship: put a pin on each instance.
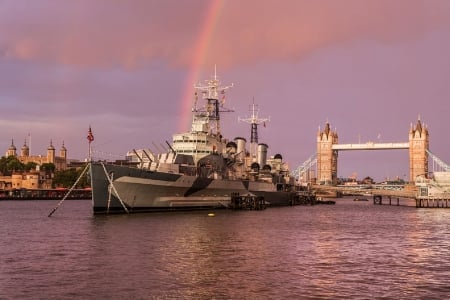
(200, 169)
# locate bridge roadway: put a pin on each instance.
(407, 191)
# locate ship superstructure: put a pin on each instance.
(205, 136)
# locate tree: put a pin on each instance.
(67, 178)
(31, 165)
(48, 167)
(3, 168)
(10, 164)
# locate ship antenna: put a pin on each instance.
(215, 72)
(254, 121)
(210, 112)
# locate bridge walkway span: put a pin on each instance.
(370, 146)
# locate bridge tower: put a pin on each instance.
(418, 147)
(326, 156)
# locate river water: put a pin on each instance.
(351, 250)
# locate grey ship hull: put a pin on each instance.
(144, 191)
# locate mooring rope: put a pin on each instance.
(109, 195)
(70, 190)
(115, 191)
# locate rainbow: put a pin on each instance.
(200, 51)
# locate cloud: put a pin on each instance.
(125, 66)
(133, 33)
(293, 29)
(104, 33)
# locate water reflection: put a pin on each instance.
(349, 250)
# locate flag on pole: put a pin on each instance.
(90, 136)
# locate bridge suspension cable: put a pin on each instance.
(302, 171)
(438, 161)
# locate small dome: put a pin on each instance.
(25, 146)
(278, 156)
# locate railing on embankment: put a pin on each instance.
(386, 197)
(408, 191)
(433, 202)
(45, 194)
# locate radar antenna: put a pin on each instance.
(210, 112)
(254, 121)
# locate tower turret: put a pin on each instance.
(418, 146)
(63, 152)
(51, 153)
(326, 156)
(25, 150)
(11, 150)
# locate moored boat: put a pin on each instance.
(201, 169)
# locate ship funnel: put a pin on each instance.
(262, 154)
(240, 141)
(231, 148)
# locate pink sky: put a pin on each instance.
(126, 68)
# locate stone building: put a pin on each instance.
(60, 161)
(418, 146)
(326, 156)
(38, 178)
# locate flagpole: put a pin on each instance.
(90, 138)
(89, 153)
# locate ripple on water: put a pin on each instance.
(348, 250)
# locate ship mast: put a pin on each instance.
(210, 112)
(254, 121)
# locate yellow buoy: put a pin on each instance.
(211, 215)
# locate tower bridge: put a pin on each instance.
(326, 157)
